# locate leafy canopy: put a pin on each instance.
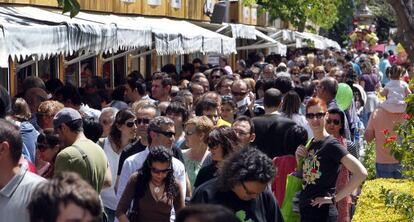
(323, 13)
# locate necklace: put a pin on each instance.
(156, 189)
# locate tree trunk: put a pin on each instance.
(405, 23)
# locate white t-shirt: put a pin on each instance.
(397, 91)
(108, 195)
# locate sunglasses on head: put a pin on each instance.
(130, 124)
(313, 115)
(157, 171)
(189, 133)
(333, 121)
(143, 121)
(166, 133)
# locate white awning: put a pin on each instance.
(181, 37)
(241, 31)
(300, 39)
(27, 31)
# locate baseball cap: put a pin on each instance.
(65, 115)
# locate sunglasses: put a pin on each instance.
(157, 171)
(238, 93)
(130, 124)
(313, 115)
(142, 121)
(333, 121)
(189, 133)
(166, 133)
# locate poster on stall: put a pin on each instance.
(176, 3)
(154, 2)
(254, 14)
(246, 12)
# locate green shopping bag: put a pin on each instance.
(293, 186)
(294, 183)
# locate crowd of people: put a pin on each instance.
(207, 143)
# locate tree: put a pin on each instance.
(405, 24)
(71, 6)
(323, 13)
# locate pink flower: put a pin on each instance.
(385, 131)
(406, 116)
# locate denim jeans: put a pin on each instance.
(388, 170)
(110, 214)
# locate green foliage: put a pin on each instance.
(401, 202)
(369, 160)
(323, 13)
(71, 6)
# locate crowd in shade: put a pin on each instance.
(203, 143)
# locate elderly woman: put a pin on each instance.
(197, 130)
(106, 119)
(321, 167)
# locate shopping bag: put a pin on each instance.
(294, 182)
(293, 186)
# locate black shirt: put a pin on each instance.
(261, 209)
(321, 169)
(205, 174)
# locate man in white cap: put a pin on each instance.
(80, 154)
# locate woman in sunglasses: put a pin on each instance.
(121, 134)
(152, 190)
(335, 127)
(221, 142)
(321, 167)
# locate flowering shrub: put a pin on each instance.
(372, 207)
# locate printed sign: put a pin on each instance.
(154, 2)
(176, 3)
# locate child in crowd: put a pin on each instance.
(395, 91)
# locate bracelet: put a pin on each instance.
(333, 199)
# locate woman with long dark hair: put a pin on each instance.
(321, 166)
(152, 190)
(122, 133)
